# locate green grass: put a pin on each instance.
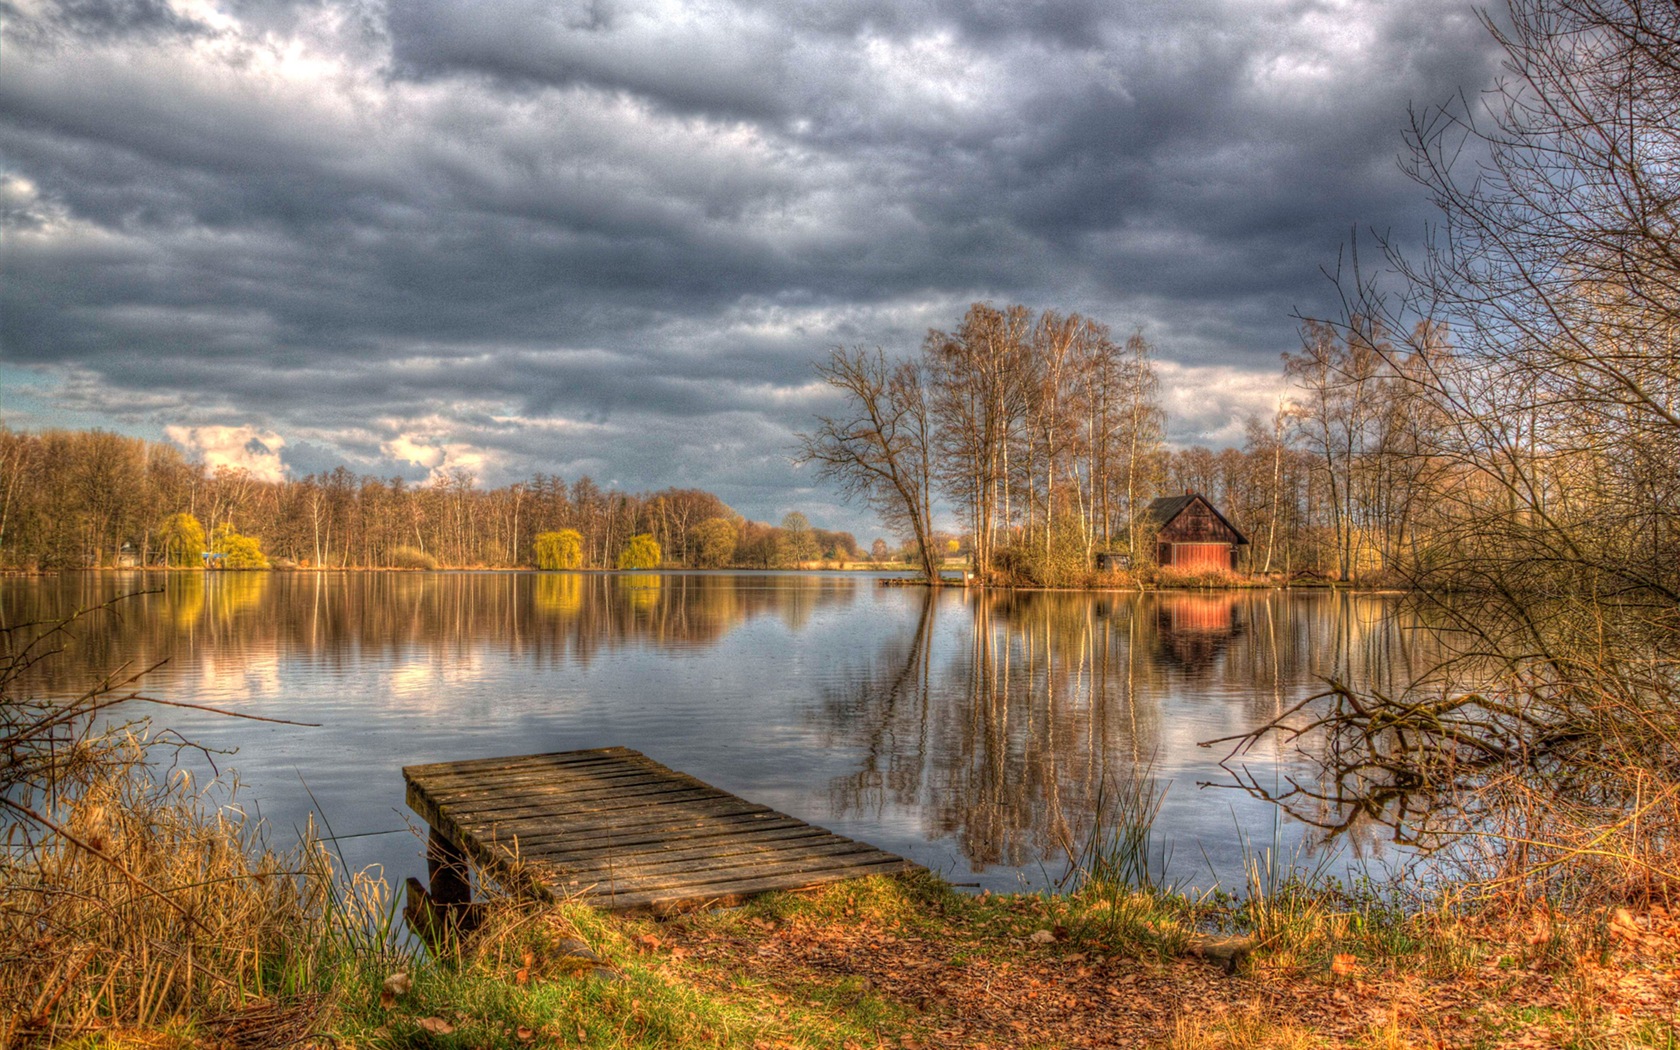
(514, 987)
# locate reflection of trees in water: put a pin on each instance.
(1040, 710)
(1005, 742)
(342, 618)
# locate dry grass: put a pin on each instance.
(144, 903)
(134, 900)
(1215, 579)
(1248, 1029)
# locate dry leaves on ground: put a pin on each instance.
(962, 991)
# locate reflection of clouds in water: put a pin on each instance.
(239, 677)
(968, 730)
(431, 678)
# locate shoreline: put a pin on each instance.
(906, 578)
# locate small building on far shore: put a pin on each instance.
(1113, 561)
(1190, 533)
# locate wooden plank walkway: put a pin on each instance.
(622, 832)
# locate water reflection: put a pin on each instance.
(343, 616)
(1010, 739)
(976, 732)
(1194, 629)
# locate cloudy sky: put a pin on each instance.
(610, 237)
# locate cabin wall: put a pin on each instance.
(1197, 523)
(1202, 556)
(1197, 539)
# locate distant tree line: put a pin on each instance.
(74, 499)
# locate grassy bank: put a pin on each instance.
(230, 945)
(911, 963)
(140, 911)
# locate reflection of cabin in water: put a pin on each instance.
(1194, 629)
(1191, 534)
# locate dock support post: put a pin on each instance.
(445, 913)
(446, 870)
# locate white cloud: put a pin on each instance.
(433, 450)
(247, 447)
(1206, 404)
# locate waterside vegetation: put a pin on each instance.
(139, 910)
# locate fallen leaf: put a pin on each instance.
(436, 1026)
(1344, 965)
(1623, 925)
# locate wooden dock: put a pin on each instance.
(618, 830)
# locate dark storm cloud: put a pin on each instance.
(102, 20)
(610, 236)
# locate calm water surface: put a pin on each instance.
(971, 732)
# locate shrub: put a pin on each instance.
(1066, 561)
(411, 558)
(182, 538)
(641, 552)
(238, 551)
(559, 550)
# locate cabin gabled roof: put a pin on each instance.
(1162, 511)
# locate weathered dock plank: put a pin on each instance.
(622, 832)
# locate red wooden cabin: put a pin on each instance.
(1191, 534)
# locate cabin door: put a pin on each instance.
(1202, 555)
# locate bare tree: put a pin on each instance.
(1554, 549)
(1144, 426)
(880, 451)
(981, 382)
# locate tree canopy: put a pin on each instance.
(640, 552)
(182, 538)
(559, 550)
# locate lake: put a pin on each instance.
(973, 732)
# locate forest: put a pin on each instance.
(81, 499)
(1329, 486)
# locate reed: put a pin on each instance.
(143, 904)
(1124, 898)
(1123, 850)
(134, 897)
